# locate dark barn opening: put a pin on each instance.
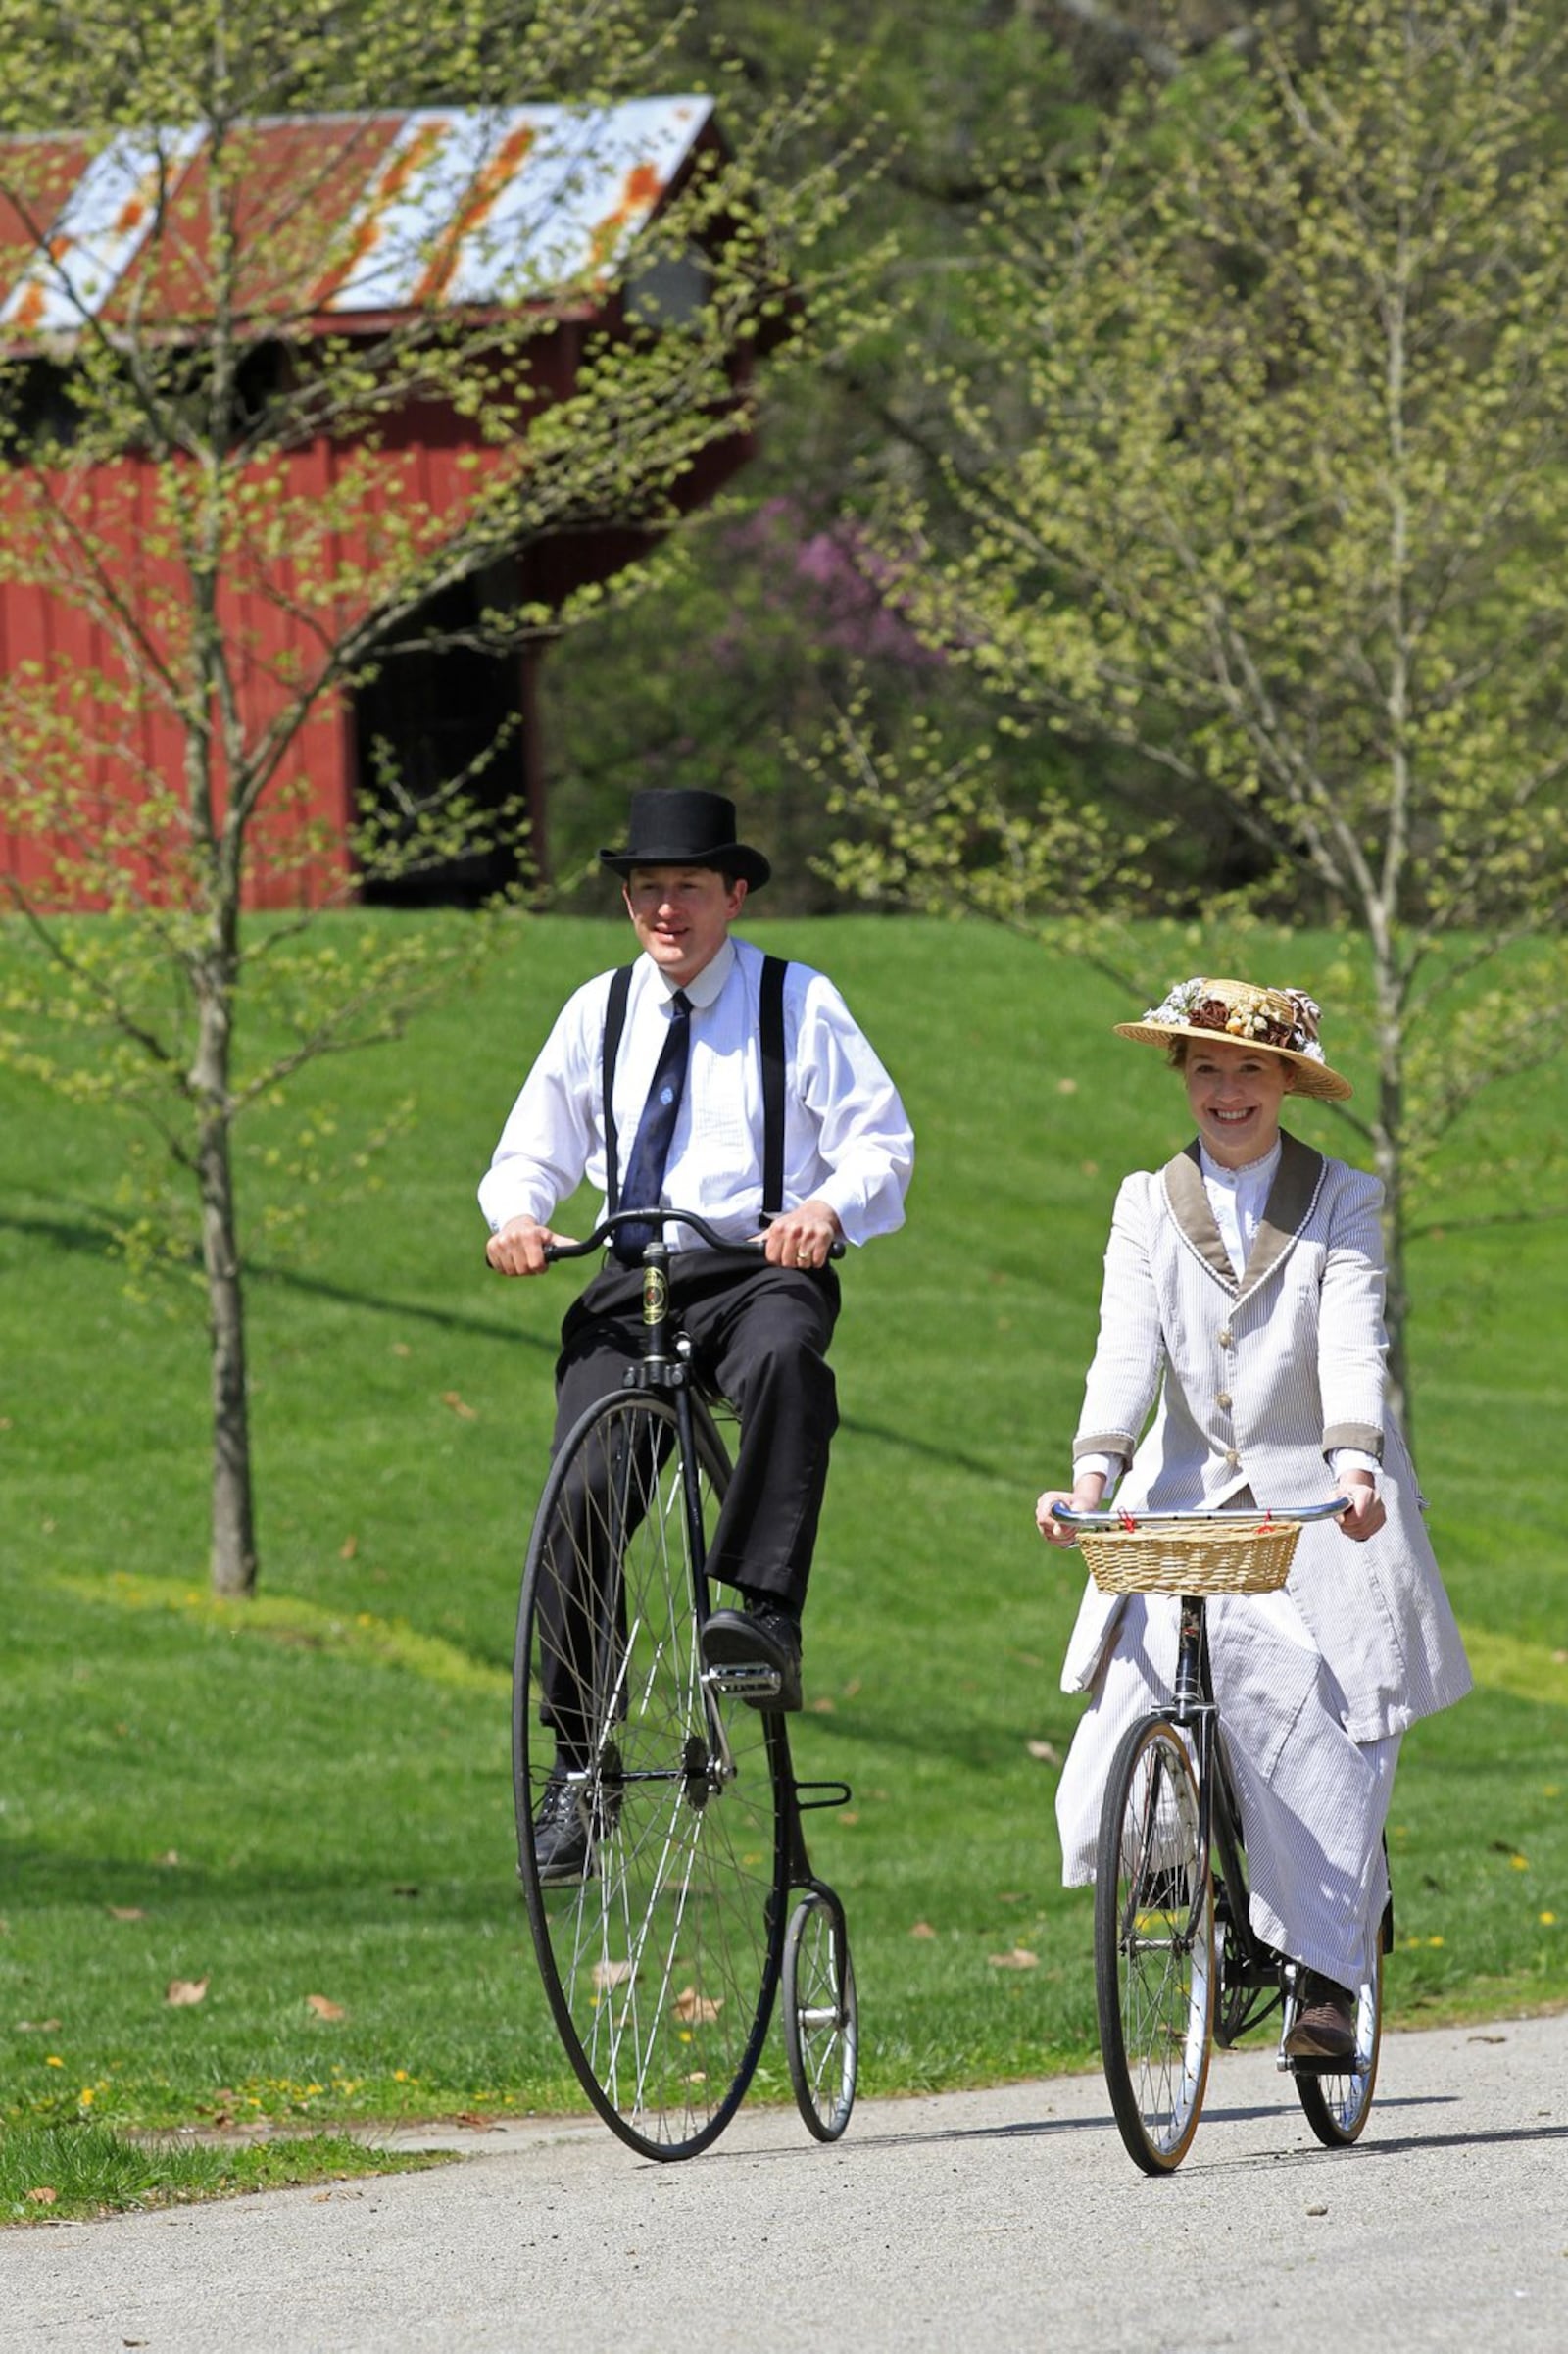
(433, 714)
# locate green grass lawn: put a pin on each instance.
(62, 2172)
(303, 1805)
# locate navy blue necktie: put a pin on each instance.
(645, 1171)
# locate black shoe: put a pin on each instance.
(761, 1638)
(572, 1817)
(1325, 2025)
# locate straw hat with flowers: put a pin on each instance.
(1279, 1021)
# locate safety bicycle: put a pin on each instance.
(1178, 1965)
(663, 1956)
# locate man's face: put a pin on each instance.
(681, 916)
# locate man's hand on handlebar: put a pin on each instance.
(802, 1236)
(520, 1245)
(807, 1237)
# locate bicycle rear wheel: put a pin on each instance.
(1154, 1945)
(822, 2016)
(658, 1905)
(1339, 2100)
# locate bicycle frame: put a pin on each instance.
(1251, 1975)
(644, 1883)
(1253, 1979)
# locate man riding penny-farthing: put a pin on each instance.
(706, 1076)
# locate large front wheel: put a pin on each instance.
(651, 1817)
(1154, 1945)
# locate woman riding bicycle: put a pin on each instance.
(1242, 1308)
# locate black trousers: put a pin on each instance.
(760, 1335)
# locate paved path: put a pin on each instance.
(988, 2220)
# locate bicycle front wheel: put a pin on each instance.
(651, 1810)
(1339, 2100)
(1154, 1945)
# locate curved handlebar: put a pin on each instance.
(654, 1217)
(1248, 1515)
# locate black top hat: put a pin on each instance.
(686, 827)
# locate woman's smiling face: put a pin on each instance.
(1235, 1093)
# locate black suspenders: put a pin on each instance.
(771, 1038)
(614, 1023)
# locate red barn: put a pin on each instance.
(346, 229)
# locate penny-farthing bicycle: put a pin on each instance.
(1177, 1963)
(662, 1952)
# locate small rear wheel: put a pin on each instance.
(1154, 1945)
(822, 2017)
(1337, 2101)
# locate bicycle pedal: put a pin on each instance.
(744, 1681)
(1313, 2064)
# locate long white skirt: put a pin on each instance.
(1313, 1801)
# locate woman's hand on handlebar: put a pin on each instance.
(1084, 1498)
(520, 1246)
(1365, 1514)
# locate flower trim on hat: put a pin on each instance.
(1286, 1019)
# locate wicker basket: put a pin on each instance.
(1191, 1557)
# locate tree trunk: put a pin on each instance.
(1397, 1314)
(1390, 1168)
(233, 1558)
(233, 1554)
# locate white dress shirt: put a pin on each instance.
(846, 1136)
(1237, 1198)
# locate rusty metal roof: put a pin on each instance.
(340, 219)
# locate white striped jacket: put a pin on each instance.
(1250, 1383)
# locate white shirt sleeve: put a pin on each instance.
(550, 1135)
(1351, 1458)
(863, 1143)
(1110, 1468)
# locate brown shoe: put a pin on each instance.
(1325, 2024)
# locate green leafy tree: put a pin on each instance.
(289, 551)
(1264, 485)
(755, 638)
(770, 624)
